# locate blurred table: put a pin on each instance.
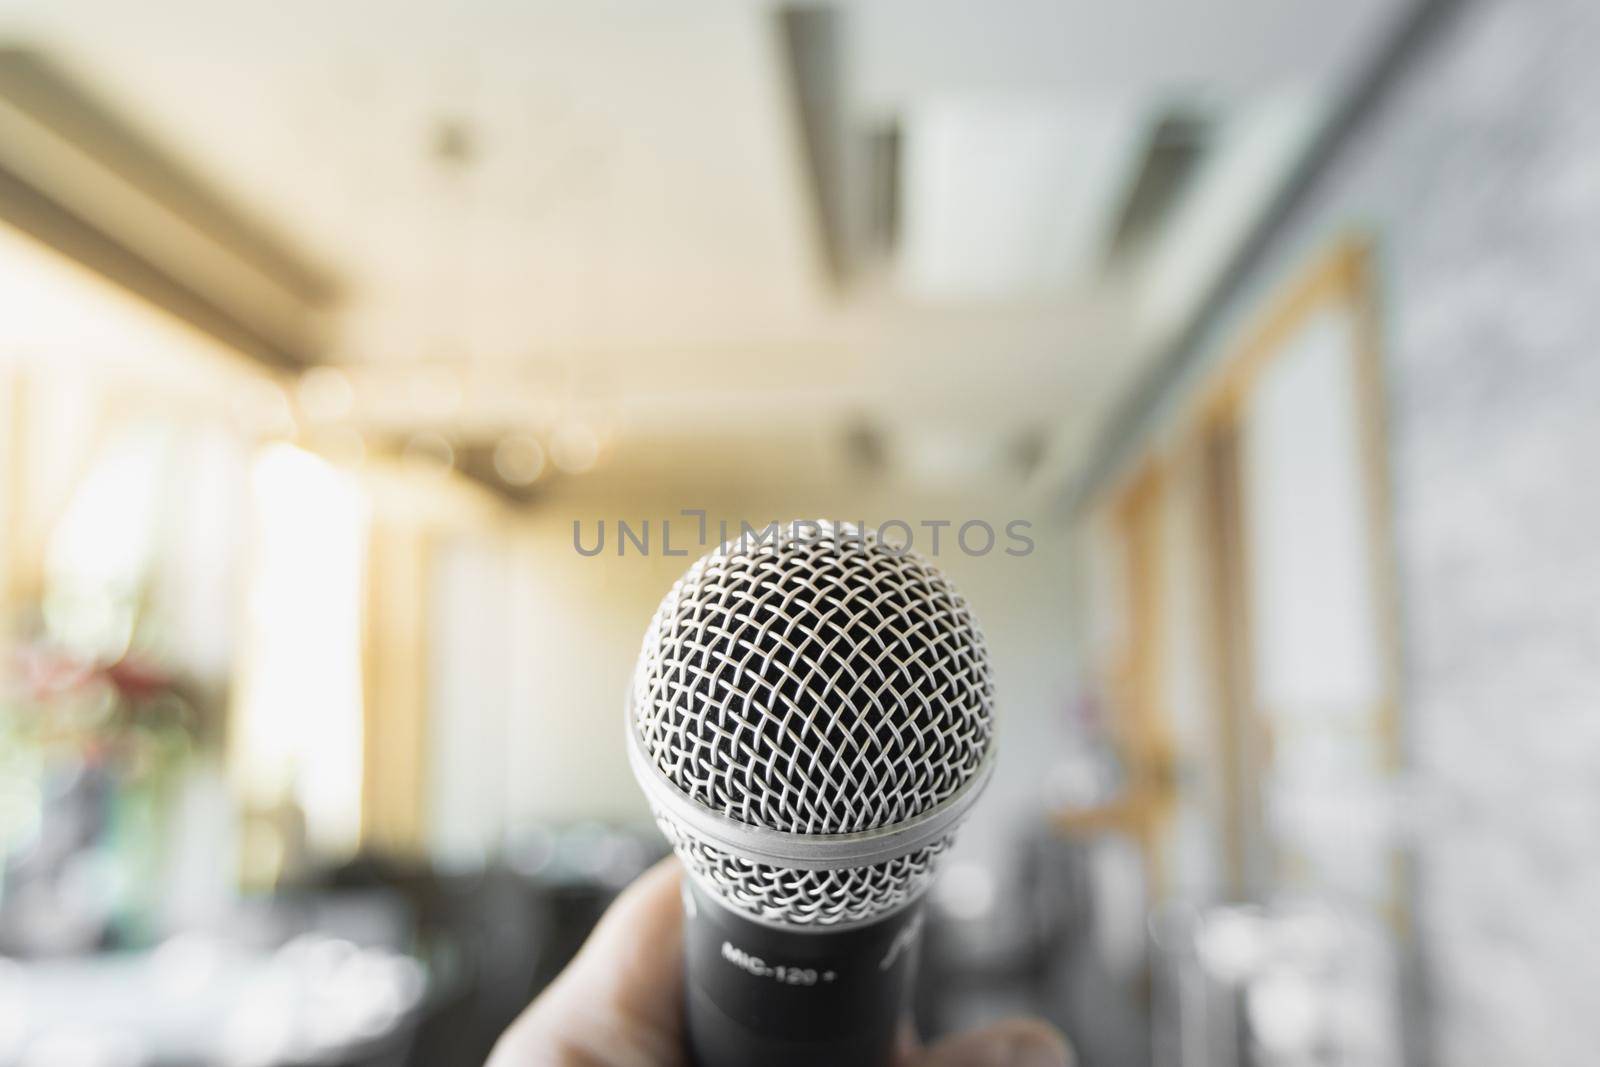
(199, 1002)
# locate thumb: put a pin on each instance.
(617, 1004)
(1013, 1043)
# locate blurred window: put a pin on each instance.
(298, 717)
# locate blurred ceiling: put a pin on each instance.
(609, 210)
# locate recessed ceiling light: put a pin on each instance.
(519, 459)
(574, 448)
(325, 394)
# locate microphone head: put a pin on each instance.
(810, 717)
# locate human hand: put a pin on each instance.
(619, 1003)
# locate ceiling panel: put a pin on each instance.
(1006, 197)
(903, 50)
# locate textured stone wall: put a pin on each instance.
(1479, 176)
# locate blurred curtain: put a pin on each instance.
(51, 424)
(10, 473)
(395, 721)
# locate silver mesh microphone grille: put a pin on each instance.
(813, 685)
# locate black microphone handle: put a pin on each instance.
(761, 996)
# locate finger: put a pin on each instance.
(907, 1047)
(1014, 1043)
(633, 960)
(619, 1002)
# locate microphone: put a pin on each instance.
(810, 719)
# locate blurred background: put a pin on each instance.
(367, 369)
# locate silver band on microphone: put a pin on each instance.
(820, 852)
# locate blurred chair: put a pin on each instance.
(491, 938)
